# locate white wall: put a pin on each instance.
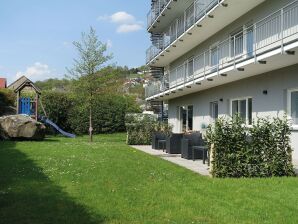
(273, 104)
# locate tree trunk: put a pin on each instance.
(90, 120)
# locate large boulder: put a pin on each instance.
(21, 127)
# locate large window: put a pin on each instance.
(186, 118)
(243, 107)
(214, 110)
(293, 106)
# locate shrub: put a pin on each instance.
(71, 112)
(57, 106)
(261, 151)
(140, 128)
(108, 114)
(7, 99)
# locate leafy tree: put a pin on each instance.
(85, 71)
(60, 85)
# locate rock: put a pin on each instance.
(21, 127)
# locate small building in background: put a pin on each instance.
(3, 83)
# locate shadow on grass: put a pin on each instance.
(28, 196)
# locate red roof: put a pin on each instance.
(3, 83)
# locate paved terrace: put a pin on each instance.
(196, 166)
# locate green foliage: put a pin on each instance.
(261, 151)
(57, 106)
(92, 56)
(108, 114)
(60, 85)
(140, 128)
(7, 98)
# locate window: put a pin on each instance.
(293, 105)
(214, 110)
(243, 107)
(186, 118)
(190, 118)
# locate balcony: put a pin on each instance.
(157, 8)
(199, 21)
(266, 45)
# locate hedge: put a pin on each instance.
(262, 150)
(57, 106)
(140, 128)
(72, 112)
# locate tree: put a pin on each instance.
(85, 72)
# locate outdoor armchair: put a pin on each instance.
(157, 136)
(188, 142)
(173, 144)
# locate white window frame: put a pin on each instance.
(211, 110)
(240, 99)
(289, 106)
(180, 121)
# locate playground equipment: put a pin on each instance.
(29, 105)
(52, 124)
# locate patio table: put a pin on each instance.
(204, 150)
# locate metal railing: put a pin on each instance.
(272, 32)
(191, 15)
(156, 9)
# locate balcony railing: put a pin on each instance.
(156, 9)
(191, 15)
(272, 32)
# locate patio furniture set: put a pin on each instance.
(191, 146)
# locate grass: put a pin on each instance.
(71, 181)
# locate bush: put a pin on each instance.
(140, 128)
(7, 99)
(71, 113)
(108, 114)
(261, 151)
(57, 106)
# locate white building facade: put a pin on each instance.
(214, 58)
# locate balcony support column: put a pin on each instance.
(255, 42)
(282, 30)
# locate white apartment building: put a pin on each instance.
(214, 58)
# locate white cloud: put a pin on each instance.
(122, 18)
(126, 22)
(127, 28)
(36, 72)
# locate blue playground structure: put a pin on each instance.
(29, 106)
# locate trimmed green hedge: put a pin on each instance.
(262, 150)
(57, 106)
(140, 128)
(72, 113)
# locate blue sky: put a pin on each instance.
(36, 35)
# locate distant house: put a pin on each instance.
(3, 83)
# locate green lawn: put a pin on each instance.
(71, 181)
